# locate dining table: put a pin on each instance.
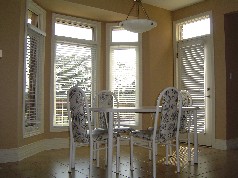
(142, 109)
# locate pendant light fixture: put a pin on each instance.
(138, 25)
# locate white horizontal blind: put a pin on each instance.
(191, 75)
(123, 62)
(74, 64)
(32, 81)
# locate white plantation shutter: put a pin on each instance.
(191, 75)
(74, 63)
(123, 79)
(33, 96)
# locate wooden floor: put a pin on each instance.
(54, 164)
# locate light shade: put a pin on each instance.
(138, 25)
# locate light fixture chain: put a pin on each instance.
(131, 10)
(144, 10)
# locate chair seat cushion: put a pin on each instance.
(142, 134)
(101, 134)
(123, 129)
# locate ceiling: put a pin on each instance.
(171, 4)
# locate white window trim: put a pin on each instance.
(109, 27)
(96, 41)
(41, 31)
(40, 12)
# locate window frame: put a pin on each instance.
(95, 41)
(109, 43)
(40, 31)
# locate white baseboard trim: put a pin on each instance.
(18, 154)
(226, 144)
(220, 144)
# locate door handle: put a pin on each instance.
(208, 96)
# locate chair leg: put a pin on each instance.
(150, 146)
(106, 151)
(73, 156)
(131, 153)
(118, 155)
(167, 152)
(70, 157)
(91, 160)
(170, 150)
(177, 154)
(97, 153)
(189, 148)
(154, 158)
(94, 152)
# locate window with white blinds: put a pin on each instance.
(123, 80)
(124, 71)
(75, 62)
(33, 73)
(191, 60)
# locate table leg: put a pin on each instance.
(195, 137)
(110, 145)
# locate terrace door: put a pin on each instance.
(195, 74)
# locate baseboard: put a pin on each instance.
(220, 144)
(18, 154)
(226, 144)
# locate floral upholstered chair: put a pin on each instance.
(106, 99)
(81, 132)
(186, 119)
(168, 112)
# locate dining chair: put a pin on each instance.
(185, 121)
(81, 132)
(166, 132)
(106, 99)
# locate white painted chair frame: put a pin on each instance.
(186, 101)
(153, 142)
(74, 144)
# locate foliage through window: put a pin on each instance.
(75, 62)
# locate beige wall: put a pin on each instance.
(157, 58)
(9, 72)
(218, 8)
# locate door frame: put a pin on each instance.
(210, 75)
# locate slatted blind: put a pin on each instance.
(123, 79)
(74, 63)
(32, 81)
(191, 75)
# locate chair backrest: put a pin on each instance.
(171, 106)
(186, 101)
(104, 99)
(78, 114)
